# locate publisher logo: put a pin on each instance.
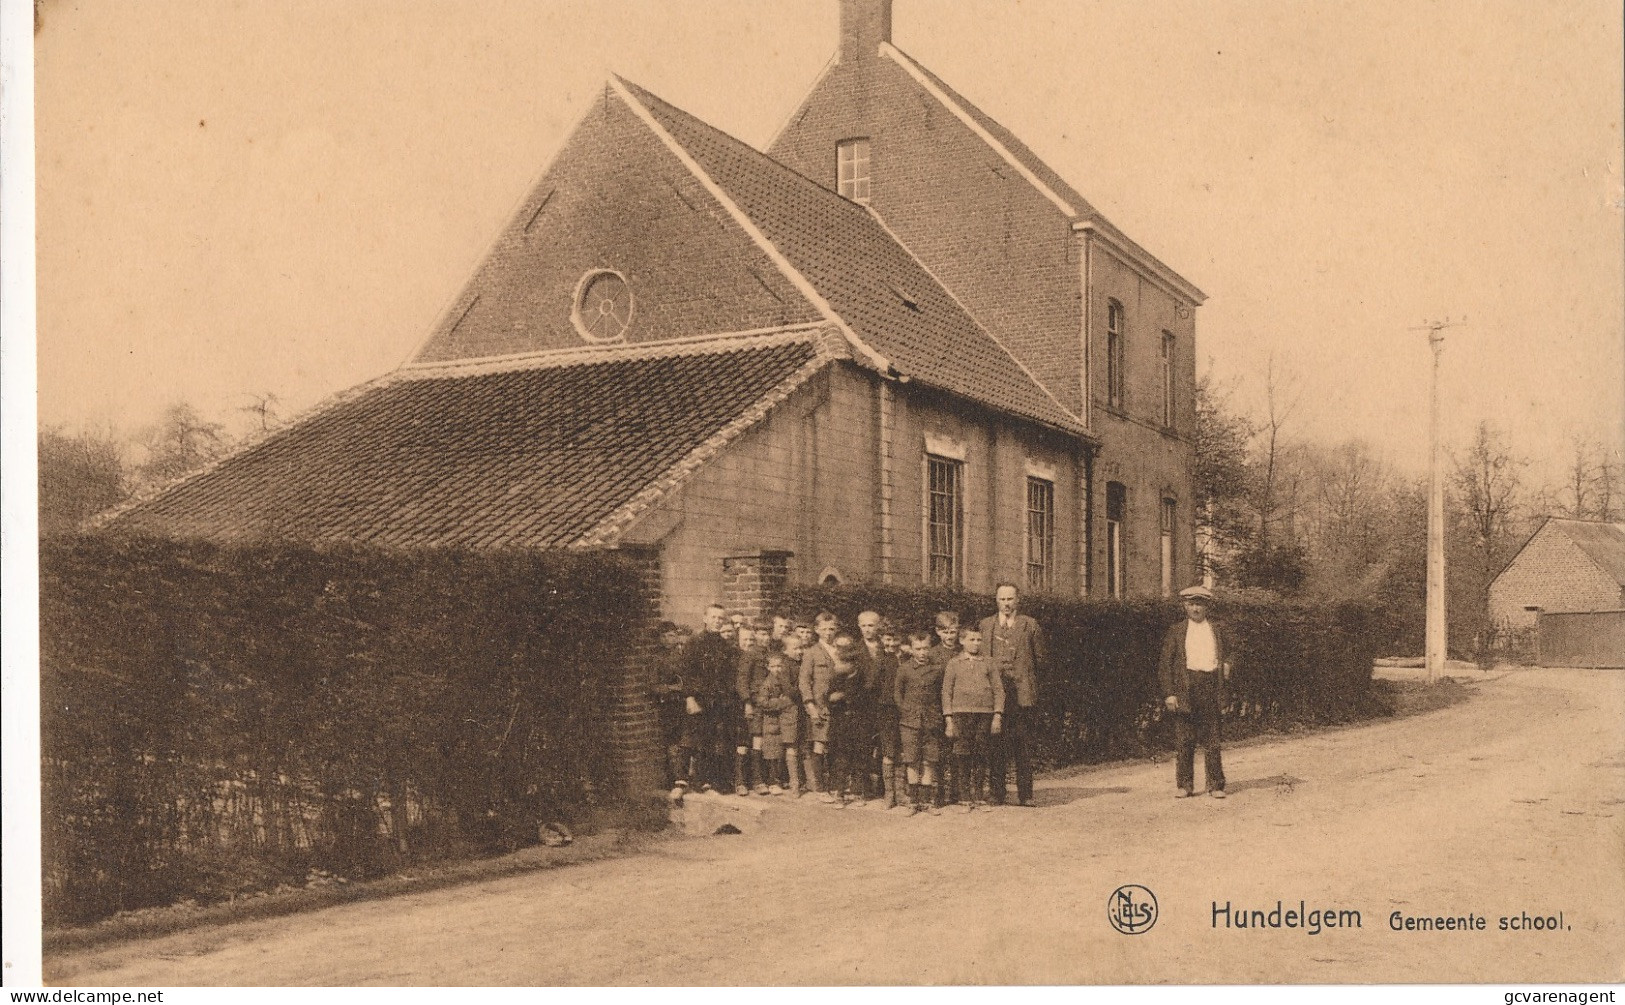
(1132, 909)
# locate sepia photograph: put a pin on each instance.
(808, 493)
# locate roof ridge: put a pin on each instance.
(1015, 151)
(833, 61)
(678, 474)
(543, 359)
(800, 282)
(976, 320)
(963, 110)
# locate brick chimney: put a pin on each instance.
(864, 25)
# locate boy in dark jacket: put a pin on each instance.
(675, 737)
(918, 692)
(879, 669)
(847, 703)
(752, 668)
(945, 649)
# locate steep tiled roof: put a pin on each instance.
(870, 282)
(1603, 543)
(535, 455)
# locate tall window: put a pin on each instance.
(944, 519)
(1040, 533)
(1114, 354)
(1167, 380)
(852, 170)
(1116, 513)
(1168, 507)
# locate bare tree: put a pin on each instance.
(181, 442)
(263, 407)
(1606, 485)
(1280, 402)
(1579, 478)
(1487, 483)
(80, 474)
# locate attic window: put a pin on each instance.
(903, 297)
(852, 170)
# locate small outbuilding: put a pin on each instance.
(1567, 586)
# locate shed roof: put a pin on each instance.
(532, 454)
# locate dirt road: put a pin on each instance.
(1510, 803)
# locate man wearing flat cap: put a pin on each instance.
(1195, 665)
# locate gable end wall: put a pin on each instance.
(1553, 573)
(616, 198)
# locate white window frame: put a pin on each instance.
(1040, 566)
(853, 163)
(955, 575)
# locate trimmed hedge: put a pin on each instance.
(1294, 665)
(219, 720)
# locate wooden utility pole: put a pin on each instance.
(1436, 634)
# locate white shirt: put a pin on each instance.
(1201, 648)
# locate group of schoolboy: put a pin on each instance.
(799, 706)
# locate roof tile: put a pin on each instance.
(532, 457)
(860, 269)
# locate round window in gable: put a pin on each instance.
(603, 306)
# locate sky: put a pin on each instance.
(240, 198)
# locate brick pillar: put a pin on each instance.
(637, 749)
(753, 584)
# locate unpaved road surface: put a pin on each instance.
(1512, 802)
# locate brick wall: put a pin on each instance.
(1003, 249)
(1552, 573)
(637, 749)
(753, 584)
(805, 483)
(1010, 255)
(1152, 461)
(616, 198)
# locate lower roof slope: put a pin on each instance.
(535, 456)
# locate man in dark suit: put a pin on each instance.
(1016, 646)
(1194, 666)
(710, 663)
